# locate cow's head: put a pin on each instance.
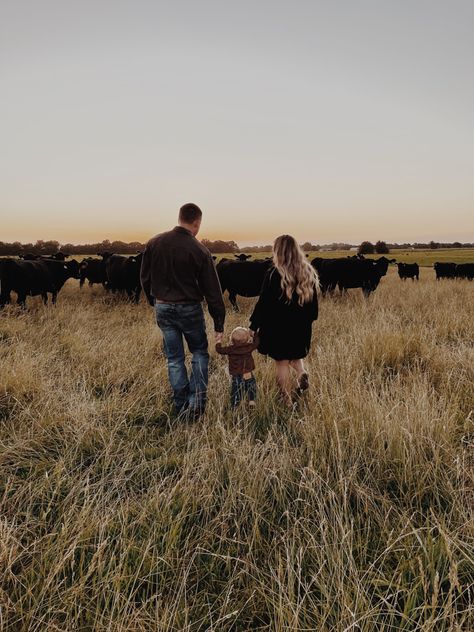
(136, 259)
(105, 254)
(242, 257)
(72, 268)
(382, 264)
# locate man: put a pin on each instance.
(177, 272)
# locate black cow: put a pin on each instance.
(242, 257)
(123, 275)
(348, 273)
(33, 278)
(465, 271)
(29, 256)
(409, 271)
(241, 278)
(58, 256)
(92, 270)
(444, 270)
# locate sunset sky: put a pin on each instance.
(339, 120)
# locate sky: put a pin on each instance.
(340, 120)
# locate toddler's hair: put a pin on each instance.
(240, 334)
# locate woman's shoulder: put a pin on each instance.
(272, 273)
(272, 277)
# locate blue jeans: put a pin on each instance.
(240, 388)
(178, 321)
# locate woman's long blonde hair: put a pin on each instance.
(297, 274)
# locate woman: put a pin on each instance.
(285, 311)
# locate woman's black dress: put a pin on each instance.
(284, 327)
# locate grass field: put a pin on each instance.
(354, 513)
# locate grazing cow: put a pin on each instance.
(241, 278)
(409, 271)
(348, 273)
(242, 257)
(123, 275)
(465, 271)
(444, 270)
(33, 278)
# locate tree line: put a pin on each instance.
(49, 247)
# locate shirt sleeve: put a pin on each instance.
(211, 288)
(256, 341)
(314, 304)
(261, 308)
(222, 350)
(145, 273)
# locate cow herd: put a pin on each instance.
(454, 271)
(33, 275)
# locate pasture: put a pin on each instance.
(354, 513)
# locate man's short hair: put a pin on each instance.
(189, 213)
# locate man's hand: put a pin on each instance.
(218, 335)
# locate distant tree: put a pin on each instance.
(220, 246)
(381, 248)
(433, 245)
(309, 247)
(265, 248)
(366, 248)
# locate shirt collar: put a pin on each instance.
(181, 229)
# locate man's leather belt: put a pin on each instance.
(157, 300)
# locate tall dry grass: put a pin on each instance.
(353, 514)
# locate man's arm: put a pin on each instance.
(211, 288)
(145, 273)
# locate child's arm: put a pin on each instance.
(222, 350)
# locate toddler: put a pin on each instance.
(241, 365)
